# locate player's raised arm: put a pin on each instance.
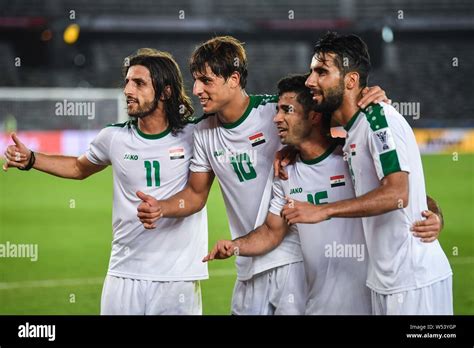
(184, 203)
(260, 241)
(69, 167)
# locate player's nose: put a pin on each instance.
(197, 88)
(310, 81)
(277, 118)
(128, 90)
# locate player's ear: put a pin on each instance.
(315, 117)
(351, 80)
(166, 94)
(234, 80)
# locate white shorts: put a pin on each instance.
(125, 296)
(434, 299)
(278, 291)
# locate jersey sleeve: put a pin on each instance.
(200, 161)
(387, 140)
(278, 199)
(99, 149)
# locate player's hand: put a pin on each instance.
(302, 212)
(373, 95)
(222, 250)
(149, 210)
(285, 156)
(17, 155)
(428, 230)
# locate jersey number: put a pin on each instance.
(318, 196)
(149, 166)
(242, 173)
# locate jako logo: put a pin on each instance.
(37, 331)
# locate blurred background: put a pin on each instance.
(53, 52)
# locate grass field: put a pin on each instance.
(74, 243)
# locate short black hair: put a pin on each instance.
(351, 54)
(296, 84)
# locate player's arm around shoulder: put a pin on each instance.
(428, 229)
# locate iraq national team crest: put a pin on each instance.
(176, 153)
(257, 139)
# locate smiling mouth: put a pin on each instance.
(203, 101)
(131, 101)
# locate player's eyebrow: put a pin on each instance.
(204, 78)
(319, 69)
(284, 107)
(135, 79)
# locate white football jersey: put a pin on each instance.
(380, 142)
(334, 251)
(241, 155)
(157, 165)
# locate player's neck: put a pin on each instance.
(155, 123)
(235, 108)
(347, 109)
(315, 145)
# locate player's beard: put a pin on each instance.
(145, 110)
(332, 99)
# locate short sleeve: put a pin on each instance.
(200, 161)
(387, 141)
(278, 199)
(99, 149)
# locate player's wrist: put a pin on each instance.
(328, 210)
(31, 162)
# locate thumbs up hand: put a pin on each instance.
(149, 210)
(17, 155)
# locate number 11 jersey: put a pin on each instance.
(157, 165)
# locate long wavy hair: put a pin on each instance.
(165, 72)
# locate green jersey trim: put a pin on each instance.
(196, 120)
(376, 117)
(255, 102)
(322, 157)
(153, 136)
(390, 163)
(352, 120)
